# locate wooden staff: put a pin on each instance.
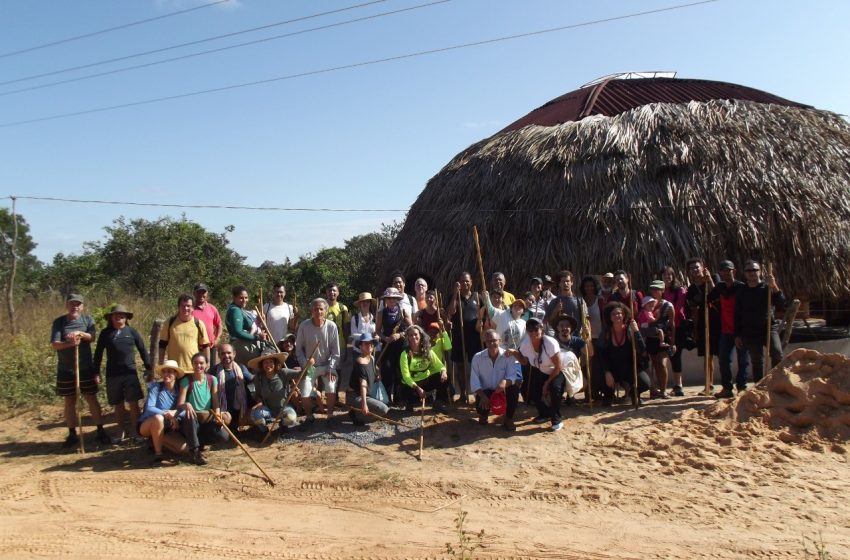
(634, 367)
(790, 316)
(79, 406)
(376, 416)
(260, 312)
(242, 447)
(279, 417)
(707, 361)
(589, 388)
(462, 343)
(769, 314)
(265, 326)
(422, 429)
(480, 270)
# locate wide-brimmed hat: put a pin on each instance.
(519, 301)
(278, 357)
(392, 293)
(569, 318)
(656, 285)
(119, 309)
(169, 365)
(364, 296)
(365, 337)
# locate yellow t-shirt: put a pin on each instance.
(508, 299)
(184, 341)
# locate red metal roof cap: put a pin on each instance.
(612, 97)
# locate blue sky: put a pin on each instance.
(367, 137)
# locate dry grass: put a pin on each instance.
(651, 186)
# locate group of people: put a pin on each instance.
(596, 335)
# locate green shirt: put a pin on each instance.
(199, 396)
(415, 369)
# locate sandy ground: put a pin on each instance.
(668, 481)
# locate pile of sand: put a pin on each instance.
(806, 397)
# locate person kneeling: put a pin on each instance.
(422, 370)
(495, 372)
(366, 385)
(274, 382)
(199, 400)
(159, 420)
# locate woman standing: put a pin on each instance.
(665, 314)
(422, 370)
(615, 355)
(390, 324)
(546, 384)
(244, 336)
(677, 295)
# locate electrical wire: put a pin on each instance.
(110, 29)
(220, 49)
(188, 44)
(354, 65)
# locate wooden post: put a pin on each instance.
(156, 330)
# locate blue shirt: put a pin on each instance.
(159, 400)
(487, 374)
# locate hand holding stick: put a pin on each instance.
(277, 420)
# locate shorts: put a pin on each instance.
(66, 383)
(309, 387)
(123, 388)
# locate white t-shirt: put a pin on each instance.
(541, 360)
(277, 318)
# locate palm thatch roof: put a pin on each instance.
(650, 186)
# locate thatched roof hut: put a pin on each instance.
(638, 174)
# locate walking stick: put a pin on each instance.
(265, 326)
(243, 448)
(79, 406)
(480, 268)
(260, 311)
(376, 416)
(462, 346)
(589, 389)
(422, 429)
(767, 340)
(277, 420)
(707, 361)
(634, 368)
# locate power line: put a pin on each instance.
(237, 45)
(187, 44)
(353, 65)
(110, 29)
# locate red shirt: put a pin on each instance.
(209, 315)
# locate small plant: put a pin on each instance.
(467, 542)
(819, 552)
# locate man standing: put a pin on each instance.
(723, 295)
(339, 315)
(184, 335)
(497, 282)
(607, 281)
(624, 293)
(565, 303)
(317, 347)
(702, 281)
(70, 331)
(751, 316)
(207, 313)
(233, 380)
(280, 316)
(494, 371)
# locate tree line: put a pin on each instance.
(164, 257)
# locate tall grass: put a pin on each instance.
(28, 363)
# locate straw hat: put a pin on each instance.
(169, 365)
(569, 318)
(278, 357)
(364, 296)
(392, 293)
(119, 309)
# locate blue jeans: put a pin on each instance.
(726, 345)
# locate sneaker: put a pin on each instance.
(482, 419)
(117, 440)
(157, 462)
(71, 441)
(677, 391)
(741, 388)
(138, 440)
(540, 419)
(198, 458)
(509, 425)
(103, 438)
(308, 421)
(663, 395)
(724, 394)
(558, 426)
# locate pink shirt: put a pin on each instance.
(211, 319)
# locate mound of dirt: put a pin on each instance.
(806, 396)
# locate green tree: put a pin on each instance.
(29, 269)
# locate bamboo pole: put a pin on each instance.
(242, 447)
(480, 271)
(769, 316)
(265, 326)
(79, 406)
(459, 306)
(260, 312)
(634, 367)
(422, 428)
